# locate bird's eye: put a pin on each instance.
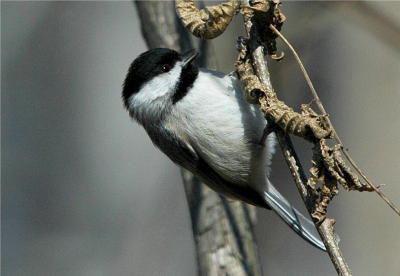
(165, 68)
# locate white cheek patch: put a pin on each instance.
(156, 88)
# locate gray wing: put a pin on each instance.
(184, 155)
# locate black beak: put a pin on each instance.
(189, 56)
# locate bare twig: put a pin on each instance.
(320, 106)
(325, 229)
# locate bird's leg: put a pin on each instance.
(269, 128)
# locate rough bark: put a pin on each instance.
(222, 229)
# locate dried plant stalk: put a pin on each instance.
(306, 124)
(328, 168)
(326, 227)
(206, 23)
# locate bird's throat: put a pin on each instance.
(188, 76)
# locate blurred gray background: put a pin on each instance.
(85, 193)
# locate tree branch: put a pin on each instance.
(325, 229)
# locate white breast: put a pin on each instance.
(223, 128)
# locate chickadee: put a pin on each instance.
(200, 119)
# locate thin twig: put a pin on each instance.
(326, 229)
(328, 237)
(335, 135)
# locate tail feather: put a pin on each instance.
(300, 224)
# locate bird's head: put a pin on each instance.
(156, 80)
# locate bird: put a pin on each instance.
(202, 121)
